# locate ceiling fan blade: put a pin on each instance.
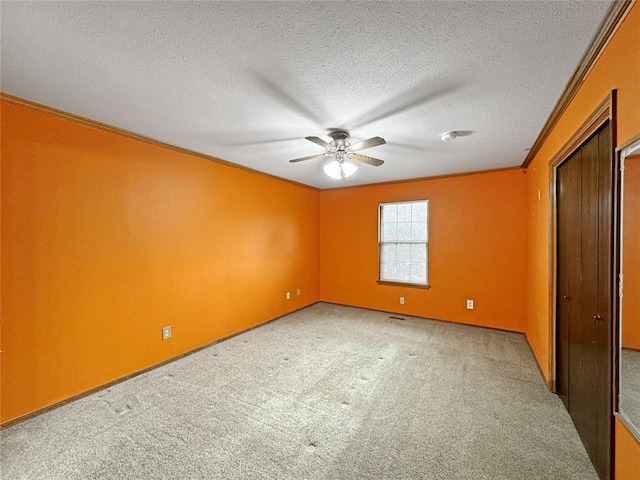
(320, 142)
(374, 162)
(372, 142)
(310, 157)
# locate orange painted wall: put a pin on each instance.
(477, 245)
(627, 447)
(617, 68)
(106, 239)
(631, 255)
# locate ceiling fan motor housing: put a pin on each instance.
(339, 138)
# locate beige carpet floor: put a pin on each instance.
(328, 392)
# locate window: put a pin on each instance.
(403, 242)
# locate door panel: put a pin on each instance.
(583, 389)
(569, 263)
(604, 325)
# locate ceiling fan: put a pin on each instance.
(342, 151)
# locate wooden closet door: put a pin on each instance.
(584, 380)
(569, 249)
(584, 276)
(604, 310)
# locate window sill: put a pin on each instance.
(400, 284)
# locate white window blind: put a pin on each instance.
(403, 242)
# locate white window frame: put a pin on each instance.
(381, 243)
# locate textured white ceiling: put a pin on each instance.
(247, 81)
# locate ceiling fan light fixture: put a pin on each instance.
(332, 169)
(348, 168)
(339, 170)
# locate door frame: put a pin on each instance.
(630, 148)
(606, 111)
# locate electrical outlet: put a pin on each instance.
(166, 332)
(469, 304)
(298, 292)
(401, 300)
(288, 295)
